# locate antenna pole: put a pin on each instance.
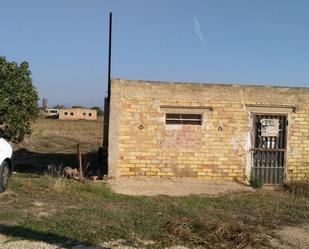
(109, 54)
(107, 103)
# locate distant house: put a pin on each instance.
(50, 112)
(77, 114)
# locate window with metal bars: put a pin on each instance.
(183, 119)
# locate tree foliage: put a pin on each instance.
(58, 106)
(18, 100)
(99, 110)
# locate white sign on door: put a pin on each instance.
(269, 127)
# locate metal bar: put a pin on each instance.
(107, 100)
(258, 149)
(280, 133)
(268, 168)
(268, 158)
(183, 119)
(272, 180)
(110, 54)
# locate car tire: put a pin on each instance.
(4, 176)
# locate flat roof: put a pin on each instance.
(211, 83)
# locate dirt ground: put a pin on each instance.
(175, 187)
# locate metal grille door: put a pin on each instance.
(269, 148)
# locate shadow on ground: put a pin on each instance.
(50, 238)
(39, 163)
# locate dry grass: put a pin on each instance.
(208, 233)
(54, 142)
(299, 188)
(61, 136)
(91, 213)
(58, 185)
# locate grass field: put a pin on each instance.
(55, 210)
(62, 211)
(54, 143)
(61, 136)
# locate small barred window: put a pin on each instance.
(183, 119)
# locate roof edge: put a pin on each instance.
(212, 84)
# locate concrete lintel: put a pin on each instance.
(185, 109)
(270, 108)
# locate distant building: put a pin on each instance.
(50, 112)
(208, 131)
(77, 114)
(44, 104)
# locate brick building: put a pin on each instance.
(210, 131)
(77, 114)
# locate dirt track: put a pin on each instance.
(175, 187)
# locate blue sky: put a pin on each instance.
(224, 41)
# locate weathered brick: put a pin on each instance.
(217, 149)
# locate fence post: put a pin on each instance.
(79, 159)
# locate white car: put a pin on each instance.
(6, 163)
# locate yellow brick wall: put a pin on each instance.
(146, 146)
(298, 145)
(149, 147)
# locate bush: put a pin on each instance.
(299, 188)
(55, 170)
(255, 182)
(99, 110)
(18, 100)
(57, 185)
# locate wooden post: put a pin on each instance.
(79, 159)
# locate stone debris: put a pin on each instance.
(26, 244)
(71, 173)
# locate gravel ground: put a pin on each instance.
(175, 187)
(27, 244)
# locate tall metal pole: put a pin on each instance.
(107, 102)
(110, 54)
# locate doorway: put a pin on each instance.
(269, 148)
